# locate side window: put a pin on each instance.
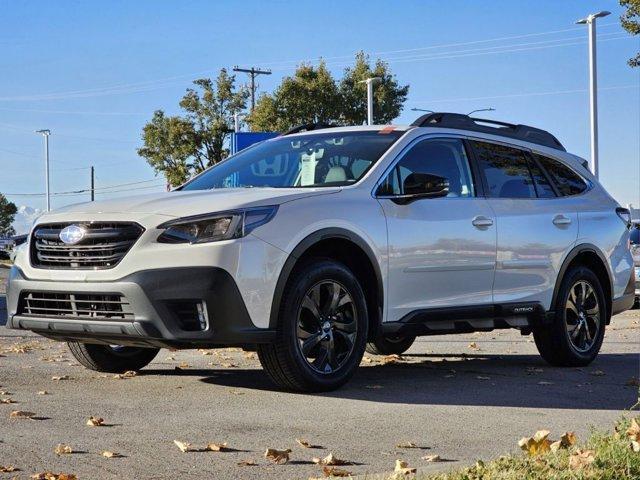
(506, 170)
(543, 187)
(567, 181)
(443, 157)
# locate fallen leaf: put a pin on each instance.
(108, 454)
(217, 447)
(473, 346)
(62, 449)
(335, 472)
(581, 459)
(53, 476)
(303, 443)
(330, 459)
(95, 422)
(536, 445)
(247, 463)
(184, 365)
(367, 360)
(7, 401)
(127, 374)
(43, 392)
(4, 392)
(633, 432)
(8, 469)
(389, 359)
(277, 456)
(61, 377)
(406, 445)
(21, 414)
(432, 458)
(183, 446)
(403, 468)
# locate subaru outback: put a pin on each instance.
(322, 243)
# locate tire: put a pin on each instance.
(390, 344)
(555, 342)
(306, 322)
(104, 358)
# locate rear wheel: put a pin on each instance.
(576, 335)
(390, 344)
(112, 358)
(322, 329)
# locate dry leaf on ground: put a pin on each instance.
(389, 359)
(403, 468)
(217, 447)
(582, 459)
(277, 456)
(7, 401)
(432, 458)
(95, 422)
(407, 445)
(56, 378)
(43, 392)
(183, 446)
(8, 469)
(330, 459)
(335, 472)
(536, 445)
(62, 449)
(21, 414)
(474, 346)
(633, 432)
(108, 454)
(247, 463)
(53, 476)
(127, 374)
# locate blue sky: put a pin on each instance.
(93, 73)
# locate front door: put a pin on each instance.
(442, 251)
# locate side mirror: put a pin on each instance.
(423, 185)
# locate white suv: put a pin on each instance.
(321, 243)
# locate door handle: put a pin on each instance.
(561, 220)
(481, 222)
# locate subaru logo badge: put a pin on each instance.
(72, 234)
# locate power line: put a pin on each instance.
(76, 192)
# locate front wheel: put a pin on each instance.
(576, 334)
(112, 358)
(322, 329)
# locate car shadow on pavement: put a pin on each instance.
(487, 380)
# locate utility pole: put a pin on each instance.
(93, 183)
(590, 21)
(370, 82)
(45, 133)
(253, 72)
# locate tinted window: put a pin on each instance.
(543, 187)
(442, 157)
(506, 170)
(567, 181)
(635, 236)
(316, 160)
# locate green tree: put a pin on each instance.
(181, 146)
(313, 95)
(309, 96)
(7, 215)
(630, 20)
(388, 96)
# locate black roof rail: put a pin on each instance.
(493, 127)
(307, 127)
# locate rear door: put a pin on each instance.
(536, 227)
(442, 251)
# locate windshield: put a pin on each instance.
(319, 160)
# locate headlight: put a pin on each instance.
(215, 226)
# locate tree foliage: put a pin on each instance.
(7, 215)
(630, 20)
(313, 95)
(180, 146)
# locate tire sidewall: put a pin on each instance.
(309, 275)
(575, 275)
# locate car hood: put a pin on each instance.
(195, 202)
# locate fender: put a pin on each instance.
(577, 250)
(308, 242)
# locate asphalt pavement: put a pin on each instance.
(460, 397)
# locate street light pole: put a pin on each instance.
(590, 21)
(45, 133)
(370, 82)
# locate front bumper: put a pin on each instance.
(150, 294)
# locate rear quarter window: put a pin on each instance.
(566, 180)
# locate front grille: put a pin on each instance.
(102, 246)
(75, 306)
